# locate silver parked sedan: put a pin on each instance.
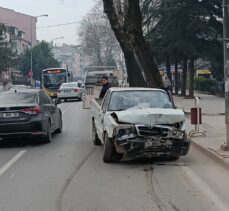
(71, 90)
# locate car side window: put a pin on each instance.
(106, 101)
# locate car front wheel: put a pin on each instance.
(109, 153)
(95, 137)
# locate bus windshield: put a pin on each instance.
(53, 79)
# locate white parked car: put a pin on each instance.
(70, 90)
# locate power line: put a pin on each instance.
(57, 25)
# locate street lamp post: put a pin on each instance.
(225, 146)
(31, 52)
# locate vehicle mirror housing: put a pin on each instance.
(56, 101)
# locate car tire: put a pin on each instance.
(48, 138)
(109, 153)
(60, 129)
(174, 158)
(95, 137)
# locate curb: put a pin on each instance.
(217, 158)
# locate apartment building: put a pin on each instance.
(22, 22)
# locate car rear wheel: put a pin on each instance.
(95, 137)
(60, 129)
(48, 137)
(174, 158)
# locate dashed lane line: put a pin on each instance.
(11, 162)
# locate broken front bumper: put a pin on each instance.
(157, 142)
(139, 147)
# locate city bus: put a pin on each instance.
(52, 78)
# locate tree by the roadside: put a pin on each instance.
(5, 50)
(125, 18)
(184, 30)
(98, 39)
(42, 58)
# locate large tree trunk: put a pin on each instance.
(184, 77)
(191, 79)
(126, 22)
(135, 78)
(176, 77)
(168, 70)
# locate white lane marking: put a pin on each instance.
(203, 187)
(12, 162)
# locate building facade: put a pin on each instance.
(72, 57)
(23, 22)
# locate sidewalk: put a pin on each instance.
(213, 123)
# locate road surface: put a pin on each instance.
(69, 175)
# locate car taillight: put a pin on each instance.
(76, 90)
(34, 110)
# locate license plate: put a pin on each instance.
(9, 115)
(151, 143)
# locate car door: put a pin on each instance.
(101, 114)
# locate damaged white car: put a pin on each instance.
(138, 122)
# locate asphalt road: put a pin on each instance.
(69, 175)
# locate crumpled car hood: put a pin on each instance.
(151, 116)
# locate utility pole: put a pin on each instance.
(225, 146)
(31, 52)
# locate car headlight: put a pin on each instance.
(126, 133)
(177, 133)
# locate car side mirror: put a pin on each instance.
(56, 102)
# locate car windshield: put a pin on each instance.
(124, 100)
(7, 98)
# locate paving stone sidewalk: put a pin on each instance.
(213, 123)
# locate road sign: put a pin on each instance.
(30, 73)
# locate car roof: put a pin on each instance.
(120, 89)
(75, 82)
(54, 68)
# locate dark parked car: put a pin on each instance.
(29, 112)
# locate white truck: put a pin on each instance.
(138, 122)
(93, 84)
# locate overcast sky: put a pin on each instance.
(59, 12)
